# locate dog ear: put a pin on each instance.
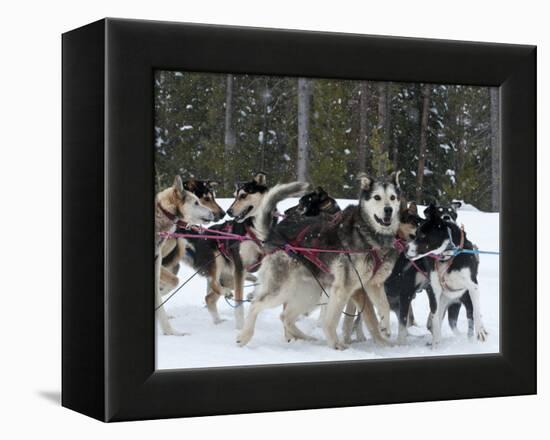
(260, 178)
(456, 205)
(394, 177)
(413, 209)
(364, 181)
(178, 184)
(322, 193)
(431, 212)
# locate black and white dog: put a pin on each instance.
(450, 213)
(313, 204)
(452, 274)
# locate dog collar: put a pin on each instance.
(173, 217)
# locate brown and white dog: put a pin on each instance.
(205, 192)
(173, 205)
(227, 263)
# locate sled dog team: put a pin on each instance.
(360, 263)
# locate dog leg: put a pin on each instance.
(363, 303)
(238, 279)
(262, 302)
(215, 291)
(168, 280)
(436, 316)
(479, 329)
(162, 317)
(289, 317)
(338, 299)
(377, 294)
(467, 301)
(410, 319)
(358, 329)
(347, 326)
(452, 316)
(404, 311)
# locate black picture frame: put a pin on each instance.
(108, 191)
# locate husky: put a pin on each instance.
(300, 279)
(452, 274)
(408, 222)
(205, 192)
(227, 263)
(313, 204)
(173, 205)
(372, 225)
(449, 212)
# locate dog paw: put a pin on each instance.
(482, 334)
(219, 320)
(338, 345)
(250, 296)
(228, 293)
(176, 333)
(243, 338)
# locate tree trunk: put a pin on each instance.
(423, 141)
(382, 122)
(495, 149)
(304, 95)
(229, 133)
(363, 128)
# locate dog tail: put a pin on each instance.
(264, 218)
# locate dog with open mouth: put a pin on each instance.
(453, 272)
(295, 279)
(173, 205)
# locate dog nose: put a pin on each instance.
(230, 212)
(222, 213)
(388, 210)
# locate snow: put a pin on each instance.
(211, 345)
(186, 127)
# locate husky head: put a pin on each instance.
(205, 192)
(408, 221)
(248, 197)
(432, 236)
(448, 212)
(313, 204)
(379, 203)
(183, 204)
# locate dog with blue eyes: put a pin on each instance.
(454, 270)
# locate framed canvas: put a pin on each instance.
(156, 109)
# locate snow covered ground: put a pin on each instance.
(211, 345)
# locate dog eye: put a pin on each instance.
(377, 197)
(392, 198)
(242, 196)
